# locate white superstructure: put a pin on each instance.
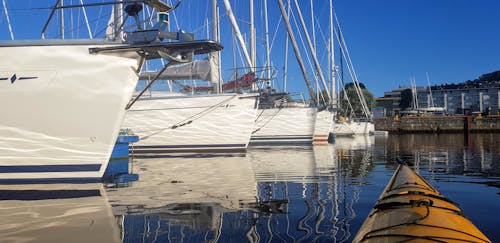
(202, 123)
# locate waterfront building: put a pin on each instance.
(478, 96)
(462, 101)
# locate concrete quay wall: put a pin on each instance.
(438, 124)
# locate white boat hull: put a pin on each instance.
(322, 127)
(62, 109)
(185, 124)
(352, 128)
(284, 126)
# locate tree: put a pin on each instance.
(349, 95)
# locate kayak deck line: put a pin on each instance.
(411, 200)
(409, 209)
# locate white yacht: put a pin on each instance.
(62, 107)
(342, 128)
(168, 123)
(288, 124)
(63, 101)
(291, 123)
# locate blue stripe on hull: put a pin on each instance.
(264, 138)
(294, 140)
(51, 180)
(46, 194)
(280, 143)
(196, 148)
(49, 168)
(191, 146)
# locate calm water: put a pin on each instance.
(268, 195)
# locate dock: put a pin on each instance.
(439, 124)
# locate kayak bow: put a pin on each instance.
(410, 209)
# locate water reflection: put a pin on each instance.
(182, 199)
(280, 194)
(56, 213)
(275, 194)
(321, 184)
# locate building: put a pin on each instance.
(481, 95)
(454, 101)
(462, 101)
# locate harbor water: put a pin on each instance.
(269, 194)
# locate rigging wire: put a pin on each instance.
(308, 58)
(351, 67)
(8, 19)
(86, 20)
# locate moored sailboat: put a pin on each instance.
(63, 101)
(167, 123)
(175, 122)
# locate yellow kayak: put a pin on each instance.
(411, 210)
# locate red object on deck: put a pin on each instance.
(244, 81)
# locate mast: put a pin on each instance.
(332, 59)
(237, 31)
(313, 53)
(313, 26)
(252, 36)
(61, 17)
(215, 56)
(314, 47)
(286, 53)
(296, 49)
(268, 58)
(118, 20)
(430, 90)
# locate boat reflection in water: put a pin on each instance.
(279, 194)
(183, 199)
(56, 213)
(283, 193)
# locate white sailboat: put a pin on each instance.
(352, 128)
(349, 127)
(62, 108)
(63, 102)
(181, 123)
(279, 121)
(284, 125)
(173, 122)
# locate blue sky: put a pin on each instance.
(390, 41)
